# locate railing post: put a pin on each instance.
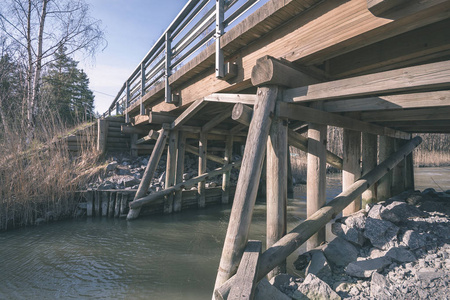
(220, 72)
(141, 106)
(168, 93)
(127, 117)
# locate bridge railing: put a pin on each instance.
(199, 24)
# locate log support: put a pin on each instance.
(181, 151)
(226, 175)
(398, 173)
(202, 160)
(351, 167)
(171, 165)
(386, 145)
(102, 135)
(369, 161)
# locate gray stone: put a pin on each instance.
(302, 261)
(429, 274)
(340, 252)
(415, 198)
(365, 268)
(401, 255)
(281, 280)
(399, 212)
(350, 234)
(379, 287)
(318, 265)
(265, 291)
(375, 253)
(128, 181)
(112, 166)
(382, 234)
(414, 240)
(314, 288)
(375, 212)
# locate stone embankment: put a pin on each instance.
(396, 249)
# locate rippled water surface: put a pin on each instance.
(170, 257)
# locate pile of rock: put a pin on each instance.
(397, 249)
(125, 172)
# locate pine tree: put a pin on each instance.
(66, 90)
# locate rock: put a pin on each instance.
(365, 268)
(265, 291)
(415, 198)
(382, 234)
(351, 234)
(413, 240)
(112, 166)
(302, 261)
(379, 287)
(399, 212)
(281, 280)
(401, 255)
(340, 252)
(429, 274)
(375, 212)
(314, 288)
(128, 181)
(318, 265)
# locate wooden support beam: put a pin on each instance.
(351, 168)
(386, 148)
(112, 204)
(248, 99)
(105, 203)
(102, 135)
(429, 76)
(394, 102)
(219, 118)
(316, 177)
(369, 161)
(302, 113)
(246, 273)
(435, 113)
(138, 203)
(269, 70)
(243, 114)
(196, 151)
(378, 7)
(152, 135)
(181, 150)
(128, 129)
(276, 185)
(149, 172)
(117, 205)
(89, 202)
(398, 172)
(409, 170)
(188, 113)
(202, 160)
(133, 142)
(160, 118)
(171, 164)
(247, 185)
(228, 156)
(300, 234)
(140, 120)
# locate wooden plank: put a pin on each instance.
(89, 202)
(171, 166)
(160, 118)
(269, 70)
(181, 150)
(276, 186)
(202, 160)
(402, 101)
(398, 172)
(316, 177)
(369, 161)
(247, 186)
(97, 203)
(438, 113)
(128, 129)
(219, 118)
(195, 150)
(105, 203)
(246, 273)
(302, 113)
(102, 135)
(386, 148)
(378, 7)
(188, 113)
(248, 99)
(112, 204)
(351, 170)
(300, 234)
(140, 120)
(428, 76)
(228, 156)
(117, 204)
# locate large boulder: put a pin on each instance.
(351, 228)
(413, 240)
(365, 268)
(314, 288)
(382, 234)
(340, 252)
(399, 212)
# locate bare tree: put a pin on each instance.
(39, 28)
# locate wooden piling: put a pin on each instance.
(351, 167)
(171, 164)
(89, 202)
(398, 172)
(369, 161)
(134, 149)
(123, 204)
(105, 203)
(276, 186)
(247, 185)
(386, 148)
(97, 203)
(316, 177)
(117, 205)
(202, 150)
(149, 171)
(226, 175)
(181, 151)
(409, 172)
(112, 203)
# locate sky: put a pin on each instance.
(131, 28)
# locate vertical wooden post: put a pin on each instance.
(202, 149)
(171, 165)
(316, 177)
(220, 72)
(409, 172)
(105, 203)
(112, 202)
(97, 203)
(247, 186)
(351, 168)
(89, 202)
(127, 103)
(276, 186)
(226, 175)
(102, 135)
(386, 146)
(180, 170)
(141, 104)
(369, 161)
(290, 179)
(398, 172)
(134, 150)
(117, 206)
(168, 62)
(150, 170)
(123, 204)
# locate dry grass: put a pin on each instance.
(39, 181)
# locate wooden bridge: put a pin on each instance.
(380, 69)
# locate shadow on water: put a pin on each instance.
(173, 257)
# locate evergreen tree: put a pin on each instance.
(66, 89)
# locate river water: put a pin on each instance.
(171, 257)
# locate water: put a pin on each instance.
(170, 257)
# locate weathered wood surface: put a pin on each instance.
(202, 160)
(386, 148)
(369, 153)
(171, 165)
(247, 185)
(228, 155)
(181, 151)
(300, 234)
(351, 170)
(246, 274)
(102, 135)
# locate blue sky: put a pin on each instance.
(131, 29)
